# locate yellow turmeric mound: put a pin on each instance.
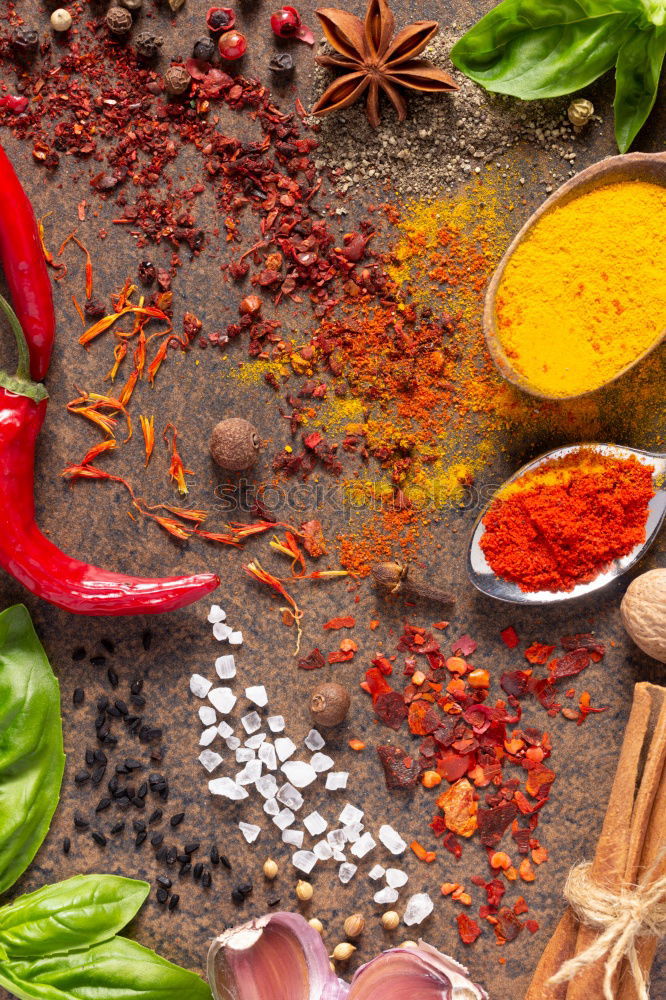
(585, 294)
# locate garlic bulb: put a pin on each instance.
(420, 973)
(281, 957)
(276, 957)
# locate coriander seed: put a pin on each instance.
(343, 951)
(304, 891)
(354, 925)
(316, 925)
(270, 869)
(61, 19)
(390, 920)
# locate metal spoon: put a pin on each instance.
(484, 578)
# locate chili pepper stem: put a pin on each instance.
(20, 383)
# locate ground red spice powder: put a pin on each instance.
(566, 522)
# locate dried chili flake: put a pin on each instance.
(340, 656)
(509, 637)
(508, 926)
(423, 718)
(468, 928)
(460, 808)
(585, 707)
(400, 770)
(390, 708)
(313, 661)
(494, 822)
(313, 539)
(345, 622)
(570, 664)
(538, 653)
(464, 646)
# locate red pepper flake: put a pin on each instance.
(313, 661)
(509, 637)
(464, 646)
(538, 653)
(340, 656)
(423, 718)
(508, 926)
(468, 928)
(400, 770)
(345, 622)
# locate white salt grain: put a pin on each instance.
(210, 759)
(336, 780)
(208, 736)
(243, 754)
(350, 814)
(284, 818)
(352, 832)
(251, 722)
(336, 838)
(293, 837)
(221, 631)
(267, 756)
(271, 807)
(396, 878)
(225, 667)
(363, 845)
(199, 685)
(314, 740)
(250, 773)
(223, 699)
(339, 856)
(288, 796)
(323, 850)
(276, 723)
(216, 614)
(225, 730)
(315, 824)
(386, 895)
(236, 639)
(232, 742)
(304, 861)
(418, 908)
(284, 748)
(299, 773)
(249, 831)
(257, 694)
(228, 788)
(391, 839)
(376, 872)
(321, 762)
(254, 742)
(208, 715)
(346, 872)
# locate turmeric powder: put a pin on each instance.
(585, 294)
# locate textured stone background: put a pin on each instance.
(92, 522)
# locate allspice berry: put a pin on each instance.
(329, 704)
(118, 21)
(354, 925)
(270, 869)
(61, 19)
(176, 80)
(304, 891)
(234, 444)
(390, 920)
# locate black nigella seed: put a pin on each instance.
(121, 706)
(110, 740)
(138, 802)
(137, 685)
(138, 825)
(162, 895)
(98, 661)
(113, 785)
(157, 839)
(197, 871)
(81, 777)
(161, 855)
(273, 900)
(245, 888)
(99, 838)
(184, 859)
(185, 868)
(177, 819)
(237, 896)
(192, 847)
(173, 902)
(114, 712)
(171, 855)
(147, 639)
(98, 773)
(66, 845)
(103, 804)
(79, 696)
(164, 880)
(79, 653)
(100, 756)
(138, 701)
(206, 880)
(123, 803)
(224, 860)
(90, 757)
(102, 704)
(113, 677)
(132, 764)
(80, 822)
(140, 837)
(142, 790)
(155, 816)
(214, 855)
(108, 645)
(118, 827)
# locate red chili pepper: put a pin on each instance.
(25, 269)
(28, 555)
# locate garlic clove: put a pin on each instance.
(276, 957)
(420, 973)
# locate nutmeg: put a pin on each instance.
(329, 704)
(234, 444)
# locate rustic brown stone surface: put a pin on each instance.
(92, 522)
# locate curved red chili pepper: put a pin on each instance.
(39, 564)
(25, 269)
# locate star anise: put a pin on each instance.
(376, 60)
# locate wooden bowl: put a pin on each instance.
(631, 166)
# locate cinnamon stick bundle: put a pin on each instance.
(632, 836)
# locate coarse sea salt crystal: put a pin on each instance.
(376, 872)
(293, 837)
(304, 861)
(271, 807)
(363, 845)
(249, 831)
(210, 759)
(250, 773)
(418, 908)
(346, 872)
(225, 667)
(223, 699)
(321, 762)
(228, 788)
(267, 756)
(352, 832)
(243, 754)
(284, 818)
(386, 895)
(232, 742)
(199, 686)
(254, 742)
(339, 856)
(257, 694)
(284, 748)
(299, 773)
(289, 796)
(221, 631)
(267, 786)
(315, 824)
(216, 614)
(350, 814)
(314, 740)
(276, 723)
(336, 780)
(391, 839)
(236, 639)
(396, 878)
(208, 736)
(251, 722)
(208, 715)
(336, 838)
(225, 730)
(323, 850)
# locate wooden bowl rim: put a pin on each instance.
(627, 166)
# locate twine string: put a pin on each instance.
(621, 918)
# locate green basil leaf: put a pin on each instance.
(544, 48)
(115, 970)
(31, 753)
(637, 75)
(77, 913)
(654, 12)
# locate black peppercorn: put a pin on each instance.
(148, 45)
(25, 42)
(204, 49)
(282, 64)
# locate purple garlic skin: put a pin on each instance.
(421, 973)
